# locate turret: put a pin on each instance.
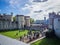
(20, 20)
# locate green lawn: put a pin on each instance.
(47, 41)
(12, 34)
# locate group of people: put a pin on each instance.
(32, 35)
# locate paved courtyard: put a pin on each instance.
(9, 41)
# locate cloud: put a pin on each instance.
(14, 3)
(40, 0)
(46, 7)
(37, 9)
(16, 6)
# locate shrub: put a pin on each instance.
(50, 34)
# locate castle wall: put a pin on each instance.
(7, 22)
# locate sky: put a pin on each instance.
(36, 9)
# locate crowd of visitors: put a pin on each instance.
(31, 35)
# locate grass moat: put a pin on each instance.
(14, 34)
(26, 36)
(22, 35)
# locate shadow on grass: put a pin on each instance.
(47, 41)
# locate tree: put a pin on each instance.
(14, 18)
(31, 20)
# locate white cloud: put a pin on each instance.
(27, 6)
(14, 3)
(46, 7)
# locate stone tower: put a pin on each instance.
(20, 21)
(27, 21)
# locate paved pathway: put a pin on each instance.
(39, 38)
(8, 41)
(36, 40)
